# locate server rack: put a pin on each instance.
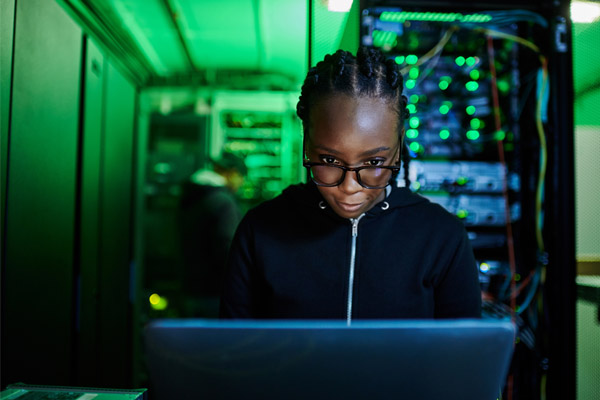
(490, 136)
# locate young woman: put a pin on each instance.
(350, 244)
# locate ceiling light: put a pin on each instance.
(585, 12)
(339, 5)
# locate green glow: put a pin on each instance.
(411, 59)
(472, 135)
(475, 123)
(460, 61)
(411, 108)
(413, 73)
(471, 110)
(484, 267)
(443, 85)
(384, 38)
(414, 122)
(157, 302)
(410, 84)
(415, 146)
(517, 277)
(462, 214)
(444, 134)
(474, 74)
(462, 180)
(415, 185)
(414, 98)
(412, 133)
(399, 59)
(471, 61)
(444, 109)
(500, 135)
(503, 86)
(402, 16)
(472, 86)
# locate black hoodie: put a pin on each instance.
(293, 257)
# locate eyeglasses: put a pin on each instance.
(369, 177)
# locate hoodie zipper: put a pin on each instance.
(352, 267)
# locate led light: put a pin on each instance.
(415, 186)
(443, 85)
(414, 122)
(414, 98)
(411, 108)
(157, 302)
(339, 5)
(500, 135)
(462, 214)
(585, 12)
(410, 84)
(462, 180)
(472, 86)
(460, 61)
(472, 135)
(503, 86)
(415, 146)
(399, 59)
(412, 59)
(475, 123)
(444, 134)
(474, 74)
(412, 133)
(413, 73)
(444, 109)
(471, 61)
(484, 267)
(471, 110)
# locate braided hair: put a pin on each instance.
(369, 74)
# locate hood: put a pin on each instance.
(308, 195)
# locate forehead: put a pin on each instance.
(361, 120)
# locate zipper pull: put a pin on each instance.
(354, 227)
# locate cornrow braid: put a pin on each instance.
(369, 74)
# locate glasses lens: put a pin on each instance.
(375, 177)
(326, 174)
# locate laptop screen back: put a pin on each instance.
(442, 359)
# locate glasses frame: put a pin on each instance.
(308, 165)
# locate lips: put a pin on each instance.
(348, 207)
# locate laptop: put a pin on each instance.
(407, 359)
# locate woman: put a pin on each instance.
(350, 244)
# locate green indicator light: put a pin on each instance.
(471, 110)
(460, 61)
(415, 186)
(472, 86)
(415, 146)
(413, 73)
(475, 123)
(412, 133)
(471, 61)
(411, 108)
(500, 135)
(444, 134)
(410, 84)
(462, 214)
(157, 302)
(484, 267)
(444, 109)
(517, 277)
(399, 59)
(503, 86)
(472, 135)
(414, 98)
(443, 85)
(462, 180)
(411, 59)
(414, 122)
(474, 74)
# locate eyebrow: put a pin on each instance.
(363, 154)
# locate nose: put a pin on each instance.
(350, 183)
